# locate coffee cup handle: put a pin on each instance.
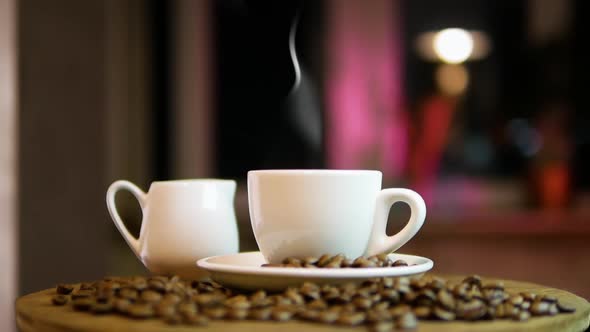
(380, 242)
(141, 198)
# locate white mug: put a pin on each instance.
(303, 213)
(183, 221)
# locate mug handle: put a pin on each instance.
(141, 198)
(380, 242)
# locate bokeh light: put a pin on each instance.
(453, 45)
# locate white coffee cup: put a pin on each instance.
(302, 213)
(183, 221)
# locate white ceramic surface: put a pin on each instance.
(183, 221)
(244, 271)
(304, 213)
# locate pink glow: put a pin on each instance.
(366, 123)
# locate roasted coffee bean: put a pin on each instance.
(64, 289)
(399, 310)
(150, 296)
(335, 262)
(375, 315)
(102, 307)
(237, 313)
(323, 260)
(445, 299)
(81, 294)
(215, 313)
(293, 295)
(59, 299)
(442, 314)
(82, 303)
(383, 327)
(208, 300)
(86, 286)
(406, 321)
(549, 298)
(471, 310)
(187, 308)
(564, 307)
(353, 318)
(196, 319)
(157, 285)
(539, 308)
(317, 305)
(282, 314)
(553, 310)
(399, 262)
(173, 319)
(308, 314)
(260, 314)
(522, 315)
(362, 303)
(310, 260)
(327, 317)
(422, 312)
(140, 310)
(238, 302)
(516, 300)
(171, 298)
(473, 281)
(164, 309)
(128, 293)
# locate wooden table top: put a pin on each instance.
(34, 312)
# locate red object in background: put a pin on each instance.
(430, 135)
(551, 183)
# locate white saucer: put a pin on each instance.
(244, 271)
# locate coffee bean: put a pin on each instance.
(335, 262)
(282, 314)
(383, 327)
(549, 298)
(354, 318)
(323, 260)
(516, 300)
(157, 285)
(208, 300)
(318, 304)
(237, 313)
(140, 310)
(215, 313)
(59, 299)
(522, 315)
(196, 319)
(539, 308)
(150, 296)
(165, 309)
(173, 319)
(64, 289)
(406, 321)
(102, 307)
(442, 314)
(293, 295)
(128, 293)
(422, 312)
(562, 307)
(82, 303)
(525, 305)
(122, 305)
(553, 310)
(446, 299)
(473, 281)
(399, 310)
(81, 294)
(362, 303)
(399, 262)
(260, 314)
(238, 302)
(308, 314)
(377, 315)
(327, 317)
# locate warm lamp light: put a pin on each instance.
(453, 45)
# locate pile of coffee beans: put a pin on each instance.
(339, 261)
(384, 304)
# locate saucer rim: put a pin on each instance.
(344, 273)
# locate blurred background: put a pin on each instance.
(480, 106)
